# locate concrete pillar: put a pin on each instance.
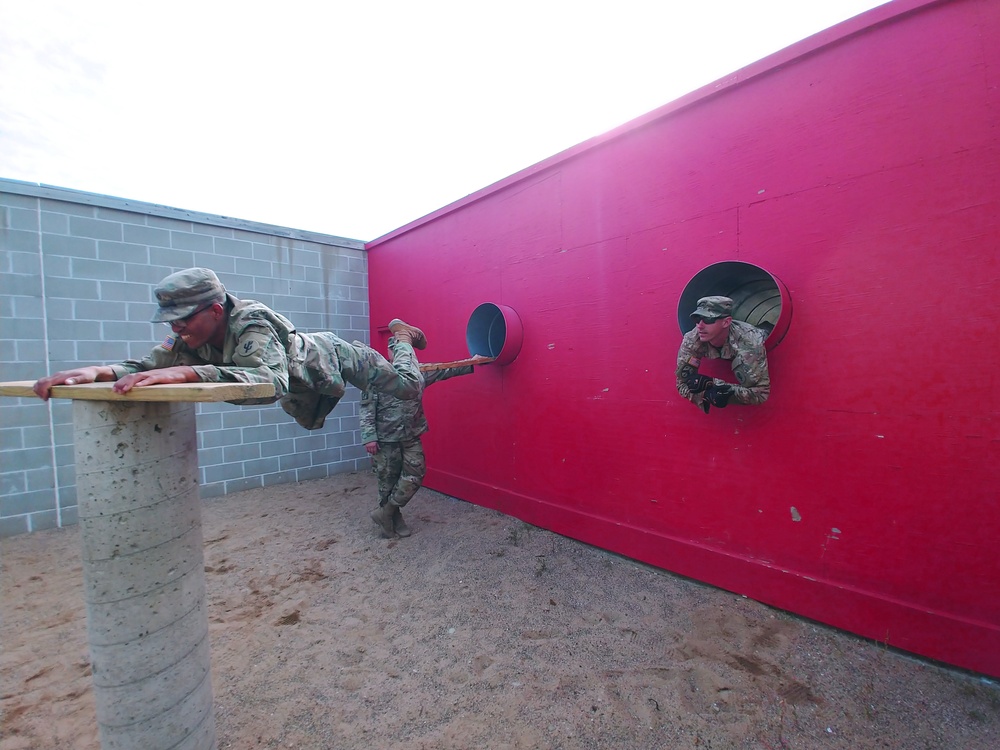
(144, 574)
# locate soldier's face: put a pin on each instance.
(713, 330)
(198, 328)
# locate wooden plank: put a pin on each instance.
(478, 360)
(172, 392)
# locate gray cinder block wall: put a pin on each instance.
(77, 272)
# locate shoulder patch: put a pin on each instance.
(251, 345)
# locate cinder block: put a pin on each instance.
(23, 370)
(21, 240)
(260, 434)
(13, 525)
(209, 420)
(39, 479)
(192, 242)
(260, 467)
(244, 451)
(81, 226)
(26, 502)
(125, 291)
(122, 252)
(68, 516)
(310, 442)
(240, 249)
(19, 218)
(31, 353)
(101, 270)
(312, 472)
(54, 223)
(223, 265)
(327, 456)
(69, 288)
(276, 447)
(99, 311)
(223, 472)
(22, 263)
(218, 489)
(24, 306)
(220, 438)
(294, 461)
(13, 482)
(44, 520)
(234, 418)
(117, 331)
(146, 273)
(145, 235)
(247, 483)
(280, 477)
(11, 439)
(74, 246)
(209, 457)
(29, 413)
(171, 258)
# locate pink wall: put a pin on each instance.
(860, 167)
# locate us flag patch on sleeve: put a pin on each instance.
(168, 343)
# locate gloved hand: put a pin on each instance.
(697, 383)
(718, 395)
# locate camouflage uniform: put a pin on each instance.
(308, 370)
(397, 426)
(744, 348)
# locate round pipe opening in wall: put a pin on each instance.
(494, 331)
(759, 298)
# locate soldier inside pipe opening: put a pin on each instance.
(390, 431)
(218, 338)
(717, 336)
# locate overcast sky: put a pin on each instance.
(349, 118)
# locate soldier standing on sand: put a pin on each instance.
(391, 430)
(218, 338)
(717, 336)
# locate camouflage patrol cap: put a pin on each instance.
(185, 292)
(714, 307)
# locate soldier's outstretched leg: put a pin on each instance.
(410, 334)
(365, 368)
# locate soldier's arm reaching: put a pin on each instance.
(750, 367)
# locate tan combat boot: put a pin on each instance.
(382, 515)
(398, 524)
(408, 334)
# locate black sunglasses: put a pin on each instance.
(706, 321)
(186, 318)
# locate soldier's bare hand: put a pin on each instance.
(42, 386)
(372, 448)
(166, 375)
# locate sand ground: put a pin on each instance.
(479, 631)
